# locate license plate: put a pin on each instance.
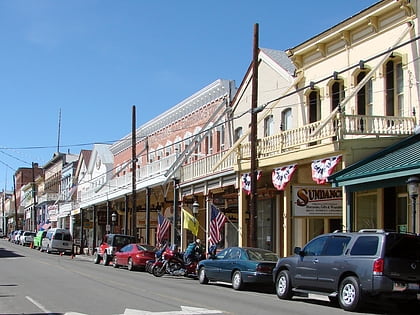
(413, 286)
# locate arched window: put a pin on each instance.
(364, 96)
(394, 87)
(178, 145)
(168, 146)
(238, 134)
(286, 119)
(337, 93)
(314, 106)
(268, 126)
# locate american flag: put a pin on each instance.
(162, 228)
(217, 221)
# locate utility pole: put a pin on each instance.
(14, 195)
(34, 198)
(134, 167)
(253, 134)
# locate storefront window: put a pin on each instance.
(402, 213)
(366, 211)
(265, 224)
(316, 227)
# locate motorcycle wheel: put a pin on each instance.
(158, 271)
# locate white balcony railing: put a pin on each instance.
(340, 127)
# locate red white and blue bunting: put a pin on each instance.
(281, 176)
(321, 169)
(246, 181)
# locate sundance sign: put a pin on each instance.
(317, 201)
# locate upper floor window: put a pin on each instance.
(337, 93)
(394, 87)
(208, 141)
(364, 96)
(168, 148)
(268, 126)
(314, 108)
(238, 133)
(222, 138)
(178, 145)
(286, 119)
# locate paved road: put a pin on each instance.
(32, 282)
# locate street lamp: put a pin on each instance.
(413, 192)
(113, 219)
(195, 207)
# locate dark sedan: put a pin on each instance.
(239, 265)
(134, 256)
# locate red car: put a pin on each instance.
(134, 256)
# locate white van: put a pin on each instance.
(57, 240)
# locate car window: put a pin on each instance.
(261, 255)
(235, 253)
(58, 236)
(222, 254)
(122, 241)
(146, 247)
(365, 245)
(403, 246)
(315, 247)
(336, 245)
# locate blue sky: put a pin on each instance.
(94, 59)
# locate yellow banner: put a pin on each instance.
(190, 223)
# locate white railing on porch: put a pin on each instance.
(340, 127)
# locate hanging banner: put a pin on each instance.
(321, 169)
(246, 181)
(317, 201)
(281, 176)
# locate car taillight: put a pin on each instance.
(378, 267)
(264, 268)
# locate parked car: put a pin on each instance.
(16, 236)
(26, 238)
(134, 256)
(57, 240)
(110, 244)
(349, 267)
(11, 236)
(38, 238)
(238, 265)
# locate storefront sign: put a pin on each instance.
(317, 201)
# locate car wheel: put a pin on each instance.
(105, 259)
(237, 283)
(202, 277)
(349, 295)
(114, 262)
(96, 258)
(284, 285)
(130, 265)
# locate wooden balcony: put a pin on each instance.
(341, 127)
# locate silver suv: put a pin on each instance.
(349, 267)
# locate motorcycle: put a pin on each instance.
(173, 264)
(158, 258)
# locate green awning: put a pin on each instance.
(389, 167)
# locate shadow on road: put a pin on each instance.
(4, 253)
